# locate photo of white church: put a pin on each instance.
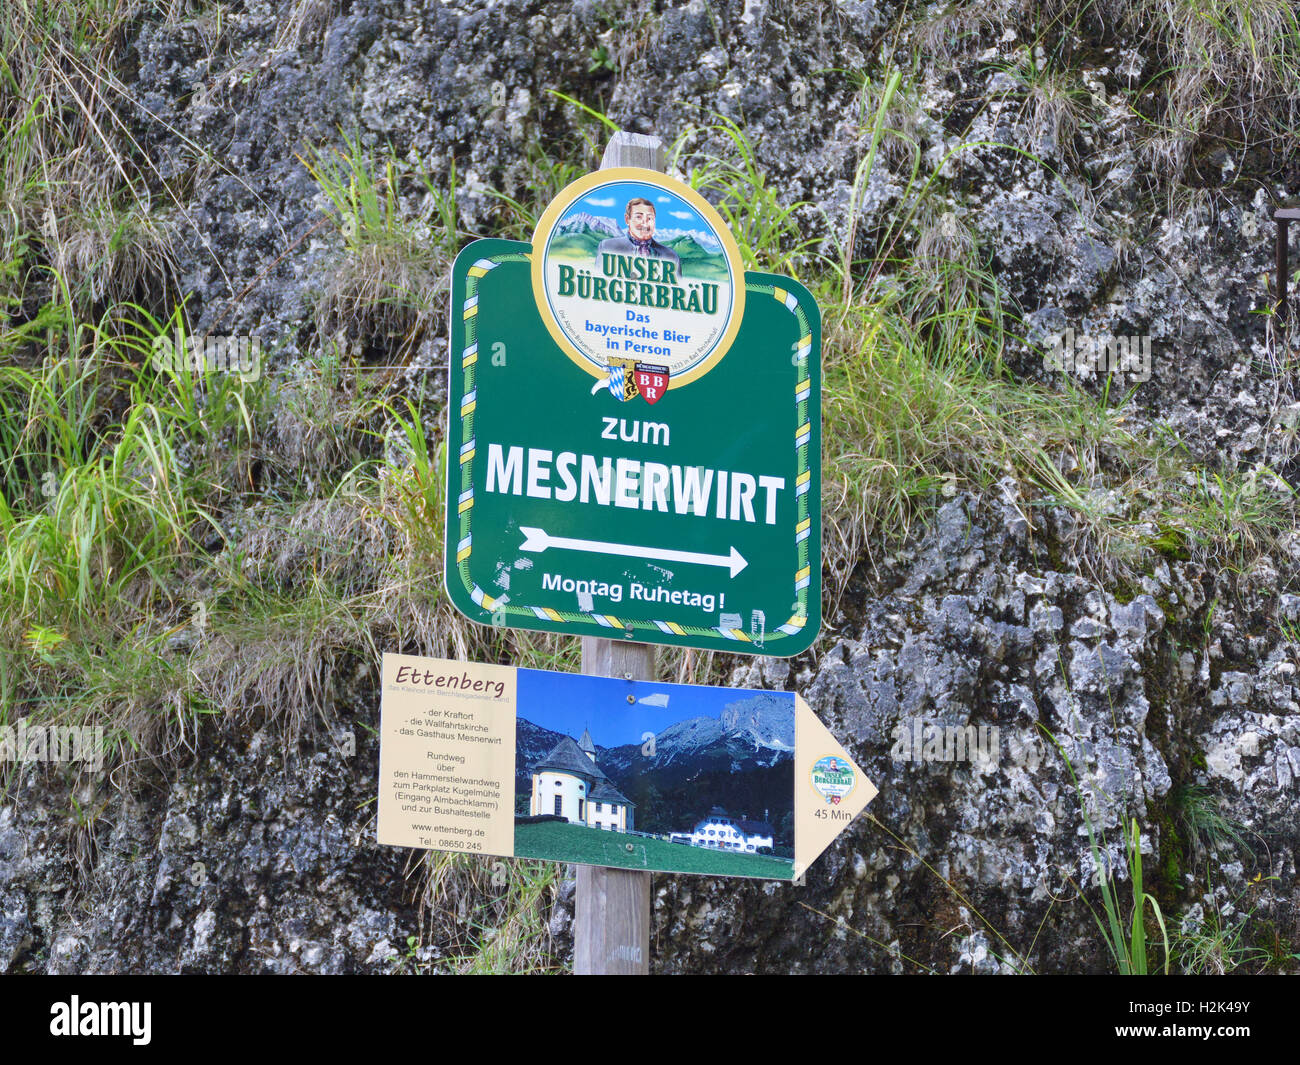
(615, 773)
(567, 783)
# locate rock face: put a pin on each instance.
(222, 868)
(1095, 711)
(1174, 702)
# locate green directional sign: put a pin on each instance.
(634, 438)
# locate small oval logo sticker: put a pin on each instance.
(832, 778)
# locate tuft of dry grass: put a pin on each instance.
(66, 139)
(110, 255)
(955, 28)
(391, 282)
(490, 915)
(1230, 71)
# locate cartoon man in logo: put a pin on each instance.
(834, 767)
(640, 240)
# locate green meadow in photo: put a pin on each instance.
(591, 846)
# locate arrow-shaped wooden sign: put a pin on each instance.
(601, 771)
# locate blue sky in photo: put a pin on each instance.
(610, 201)
(570, 702)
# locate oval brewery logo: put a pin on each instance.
(638, 280)
(832, 778)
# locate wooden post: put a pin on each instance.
(611, 933)
(1283, 216)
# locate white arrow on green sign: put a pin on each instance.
(538, 540)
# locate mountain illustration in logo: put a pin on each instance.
(706, 240)
(697, 263)
(581, 222)
(578, 236)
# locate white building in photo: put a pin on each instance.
(718, 830)
(567, 783)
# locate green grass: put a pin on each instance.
(1206, 827)
(112, 519)
(1124, 928)
(486, 915)
(764, 225)
(558, 842)
(1216, 945)
(389, 281)
(1230, 66)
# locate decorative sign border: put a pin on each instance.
(630, 628)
